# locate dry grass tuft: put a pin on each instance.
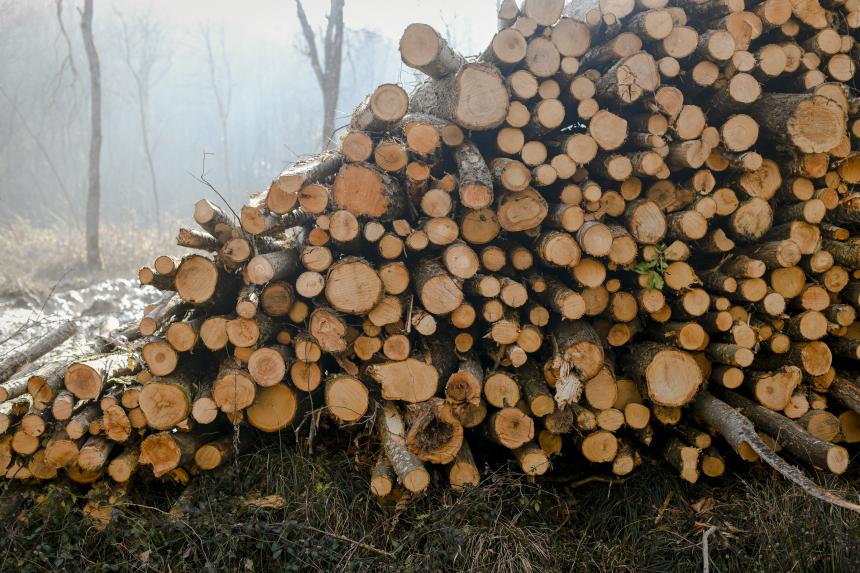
(328, 521)
(35, 259)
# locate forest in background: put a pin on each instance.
(181, 81)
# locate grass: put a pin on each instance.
(34, 259)
(328, 521)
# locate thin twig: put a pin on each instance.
(706, 558)
(202, 179)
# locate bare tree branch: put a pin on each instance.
(141, 55)
(310, 39)
(223, 99)
(70, 58)
(73, 210)
(328, 77)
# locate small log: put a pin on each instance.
(408, 467)
(16, 359)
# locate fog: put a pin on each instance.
(166, 65)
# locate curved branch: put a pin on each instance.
(311, 42)
(738, 429)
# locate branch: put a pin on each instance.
(333, 67)
(69, 56)
(308, 32)
(43, 150)
(737, 429)
(202, 179)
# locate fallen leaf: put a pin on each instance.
(704, 505)
(268, 502)
(663, 508)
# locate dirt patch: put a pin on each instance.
(96, 309)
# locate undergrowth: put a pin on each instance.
(277, 509)
(36, 259)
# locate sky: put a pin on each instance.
(275, 114)
(472, 22)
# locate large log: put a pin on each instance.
(670, 376)
(811, 123)
(475, 97)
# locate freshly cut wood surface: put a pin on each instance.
(615, 204)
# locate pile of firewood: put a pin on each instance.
(624, 229)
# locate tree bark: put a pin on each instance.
(94, 172)
(328, 68)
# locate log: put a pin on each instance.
(790, 435)
(475, 97)
(85, 379)
(811, 123)
(407, 466)
(16, 359)
(382, 110)
(580, 347)
(166, 451)
(509, 427)
(274, 408)
(423, 49)
(435, 435)
(346, 398)
(353, 286)
(382, 478)
(166, 402)
(363, 190)
(439, 292)
(233, 389)
(847, 391)
(465, 385)
(476, 181)
(629, 79)
(463, 471)
(741, 435)
(215, 453)
(670, 377)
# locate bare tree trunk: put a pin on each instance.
(150, 164)
(222, 100)
(94, 188)
(74, 208)
(141, 72)
(327, 71)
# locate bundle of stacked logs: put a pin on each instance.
(625, 229)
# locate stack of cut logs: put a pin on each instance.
(626, 228)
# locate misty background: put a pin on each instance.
(227, 79)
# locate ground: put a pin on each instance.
(280, 508)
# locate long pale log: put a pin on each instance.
(846, 391)
(16, 359)
(790, 435)
(741, 435)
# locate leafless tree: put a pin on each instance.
(94, 188)
(68, 59)
(73, 213)
(222, 89)
(327, 70)
(147, 62)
